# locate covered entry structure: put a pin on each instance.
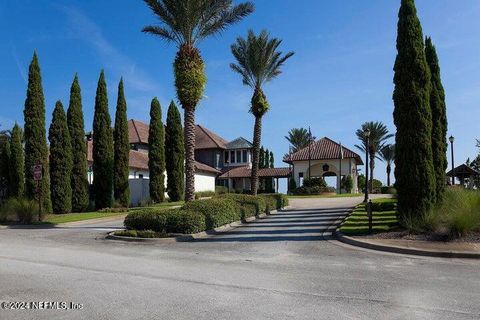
(325, 158)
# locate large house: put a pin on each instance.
(218, 161)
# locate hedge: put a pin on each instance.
(217, 212)
(200, 215)
(165, 220)
(384, 206)
(248, 205)
(274, 201)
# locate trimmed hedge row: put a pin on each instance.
(201, 215)
(164, 220)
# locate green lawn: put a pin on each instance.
(343, 195)
(73, 217)
(357, 222)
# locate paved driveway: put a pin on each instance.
(277, 268)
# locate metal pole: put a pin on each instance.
(453, 163)
(366, 170)
(340, 174)
(309, 154)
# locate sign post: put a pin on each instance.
(38, 176)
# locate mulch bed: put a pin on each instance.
(403, 234)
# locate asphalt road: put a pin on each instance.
(282, 267)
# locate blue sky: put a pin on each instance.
(340, 76)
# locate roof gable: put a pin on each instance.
(206, 139)
(322, 149)
(239, 143)
(137, 131)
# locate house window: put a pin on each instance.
(245, 156)
(239, 156)
(232, 156)
(227, 158)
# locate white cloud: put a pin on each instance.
(115, 61)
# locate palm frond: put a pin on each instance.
(258, 58)
(187, 22)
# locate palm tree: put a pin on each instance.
(299, 138)
(378, 137)
(187, 23)
(258, 62)
(387, 154)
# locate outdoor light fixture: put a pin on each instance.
(452, 139)
(366, 133)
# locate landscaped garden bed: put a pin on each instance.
(200, 215)
(456, 219)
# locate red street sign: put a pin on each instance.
(37, 172)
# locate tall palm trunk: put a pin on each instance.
(389, 170)
(190, 82)
(257, 134)
(189, 137)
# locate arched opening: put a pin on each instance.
(331, 179)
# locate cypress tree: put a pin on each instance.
(5, 156)
(122, 151)
(156, 154)
(36, 150)
(439, 119)
(415, 178)
(272, 160)
(60, 161)
(175, 154)
(17, 163)
(79, 181)
(102, 148)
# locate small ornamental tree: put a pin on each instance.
(439, 119)
(121, 151)
(414, 172)
(156, 154)
(174, 151)
(36, 150)
(17, 163)
(102, 148)
(60, 161)
(78, 179)
(272, 160)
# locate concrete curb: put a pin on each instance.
(193, 236)
(404, 250)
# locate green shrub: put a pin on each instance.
(204, 194)
(145, 202)
(165, 220)
(20, 210)
(248, 205)
(347, 183)
(315, 182)
(184, 221)
(221, 190)
(388, 190)
(274, 201)
(456, 216)
(313, 190)
(217, 211)
(147, 219)
(140, 234)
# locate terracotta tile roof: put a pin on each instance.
(139, 160)
(199, 166)
(137, 131)
(323, 149)
(246, 172)
(206, 139)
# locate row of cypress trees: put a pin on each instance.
(420, 118)
(64, 187)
